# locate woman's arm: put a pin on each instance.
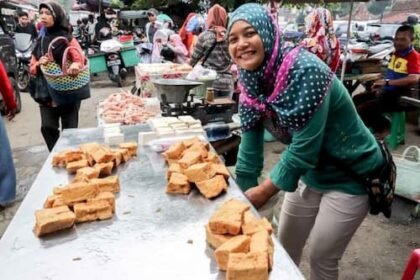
(33, 66)
(6, 89)
(199, 50)
(250, 158)
(75, 56)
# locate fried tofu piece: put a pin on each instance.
(57, 190)
(189, 142)
(237, 244)
(49, 202)
(92, 211)
(78, 192)
(199, 172)
(98, 152)
(212, 157)
(221, 169)
(72, 167)
(131, 147)
(108, 184)
(173, 168)
(53, 219)
(87, 172)
(212, 187)
(63, 158)
(59, 160)
(261, 242)
(228, 218)
(125, 154)
(216, 240)
(118, 157)
(199, 147)
(189, 158)
(252, 224)
(174, 152)
(105, 196)
(247, 266)
(104, 169)
(178, 184)
(81, 178)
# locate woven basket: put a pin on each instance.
(57, 78)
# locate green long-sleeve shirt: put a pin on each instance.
(335, 129)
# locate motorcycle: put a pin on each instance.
(111, 49)
(23, 48)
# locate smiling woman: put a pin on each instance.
(245, 46)
(294, 95)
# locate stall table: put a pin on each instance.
(152, 235)
(351, 82)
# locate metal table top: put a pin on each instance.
(152, 235)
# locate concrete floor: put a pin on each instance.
(378, 250)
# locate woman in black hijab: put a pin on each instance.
(55, 24)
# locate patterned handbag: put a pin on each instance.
(64, 88)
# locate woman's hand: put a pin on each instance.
(74, 69)
(43, 60)
(260, 194)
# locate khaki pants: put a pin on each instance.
(329, 219)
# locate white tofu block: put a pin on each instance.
(164, 129)
(196, 126)
(146, 137)
(186, 119)
(171, 120)
(113, 139)
(166, 133)
(112, 130)
(111, 125)
(178, 125)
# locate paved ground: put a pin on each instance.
(378, 250)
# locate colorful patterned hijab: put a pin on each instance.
(321, 38)
(290, 85)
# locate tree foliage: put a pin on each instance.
(378, 7)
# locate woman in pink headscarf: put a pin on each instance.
(212, 50)
(321, 39)
(176, 45)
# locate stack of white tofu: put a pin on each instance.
(113, 134)
(171, 126)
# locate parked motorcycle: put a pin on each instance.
(23, 48)
(111, 49)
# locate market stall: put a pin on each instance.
(153, 235)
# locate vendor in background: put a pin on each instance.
(321, 39)
(56, 25)
(91, 27)
(7, 168)
(403, 72)
(413, 20)
(187, 37)
(297, 97)
(160, 40)
(150, 28)
(213, 49)
(25, 26)
(101, 23)
(195, 26)
(179, 49)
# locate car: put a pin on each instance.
(386, 32)
(8, 57)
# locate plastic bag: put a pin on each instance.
(110, 46)
(201, 73)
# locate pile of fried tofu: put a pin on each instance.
(192, 164)
(91, 194)
(242, 242)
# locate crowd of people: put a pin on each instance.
(289, 90)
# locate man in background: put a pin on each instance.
(25, 26)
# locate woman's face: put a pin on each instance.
(46, 17)
(245, 46)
